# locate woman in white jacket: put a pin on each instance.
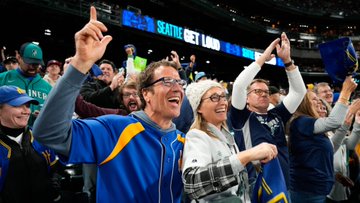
(213, 167)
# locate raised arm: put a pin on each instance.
(338, 113)
(354, 137)
(297, 88)
(53, 126)
(244, 79)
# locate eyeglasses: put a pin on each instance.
(127, 95)
(168, 82)
(260, 92)
(216, 98)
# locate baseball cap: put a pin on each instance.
(273, 90)
(31, 53)
(95, 70)
(131, 46)
(340, 58)
(10, 59)
(51, 62)
(15, 96)
(199, 75)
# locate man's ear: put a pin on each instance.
(145, 92)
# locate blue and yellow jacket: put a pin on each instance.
(6, 153)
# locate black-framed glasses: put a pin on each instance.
(260, 92)
(127, 95)
(216, 97)
(168, 82)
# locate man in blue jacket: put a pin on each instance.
(138, 156)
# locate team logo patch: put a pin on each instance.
(34, 53)
(20, 91)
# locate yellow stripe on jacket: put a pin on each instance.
(127, 134)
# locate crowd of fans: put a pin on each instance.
(169, 133)
(339, 8)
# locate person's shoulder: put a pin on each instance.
(44, 82)
(196, 133)
(3, 74)
(118, 119)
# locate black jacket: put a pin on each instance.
(99, 93)
(28, 178)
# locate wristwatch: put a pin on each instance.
(289, 64)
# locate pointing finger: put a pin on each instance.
(93, 13)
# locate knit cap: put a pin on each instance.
(196, 90)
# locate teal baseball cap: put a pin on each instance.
(31, 53)
(15, 96)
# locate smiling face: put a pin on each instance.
(14, 117)
(214, 112)
(325, 92)
(108, 73)
(29, 70)
(163, 102)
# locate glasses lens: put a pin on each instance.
(215, 98)
(168, 82)
(182, 83)
(130, 94)
(261, 92)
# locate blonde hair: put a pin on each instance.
(306, 108)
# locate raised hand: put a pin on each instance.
(283, 50)
(349, 85)
(90, 43)
(267, 55)
(357, 117)
(175, 58)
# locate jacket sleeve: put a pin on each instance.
(333, 121)
(297, 90)
(53, 125)
(86, 109)
(241, 83)
(91, 93)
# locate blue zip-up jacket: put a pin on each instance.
(137, 160)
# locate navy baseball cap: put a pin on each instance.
(340, 58)
(95, 70)
(31, 53)
(132, 47)
(15, 96)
